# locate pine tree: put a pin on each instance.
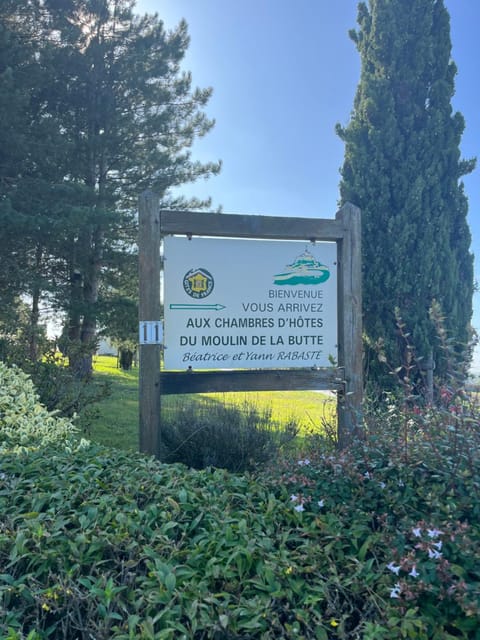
(29, 154)
(402, 167)
(14, 99)
(115, 115)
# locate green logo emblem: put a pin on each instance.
(303, 270)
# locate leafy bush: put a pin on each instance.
(61, 390)
(111, 545)
(377, 542)
(230, 437)
(24, 421)
(56, 384)
(401, 509)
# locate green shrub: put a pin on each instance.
(377, 542)
(209, 433)
(361, 544)
(57, 385)
(112, 545)
(61, 390)
(24, 421)
(115, 545)
(402, 508)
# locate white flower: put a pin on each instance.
(3, 476)
(414, 573)
(435, 555)
(438, 545)
(395, 592)
(382, 485)
(367, 475)
(293, 498)
(321, 503)
(434, 533)
(417, 532)
(394, 567)
(304, 462)
(299, 507)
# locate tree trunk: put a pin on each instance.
(35, 311)
(88, 330)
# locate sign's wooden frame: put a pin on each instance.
(346, 378)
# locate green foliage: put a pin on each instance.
(60, 390)
(16, 335)
(380, 541)
(17, 143)
(233, 437)
(24, 421)
(416, 380)
(95, 109)
(401, 523)
(403, 168)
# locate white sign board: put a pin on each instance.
(249, 304)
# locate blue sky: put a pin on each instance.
(284, 73)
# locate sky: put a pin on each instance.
(283, 74)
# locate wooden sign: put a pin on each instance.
(242, 306)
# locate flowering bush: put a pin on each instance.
(402, 507)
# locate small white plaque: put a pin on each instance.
(151, 332)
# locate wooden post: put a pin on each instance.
(350, 324)
(149, 310)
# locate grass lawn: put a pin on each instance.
(116, 422)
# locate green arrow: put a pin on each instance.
(199, 307)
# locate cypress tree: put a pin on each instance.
(403, 168)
